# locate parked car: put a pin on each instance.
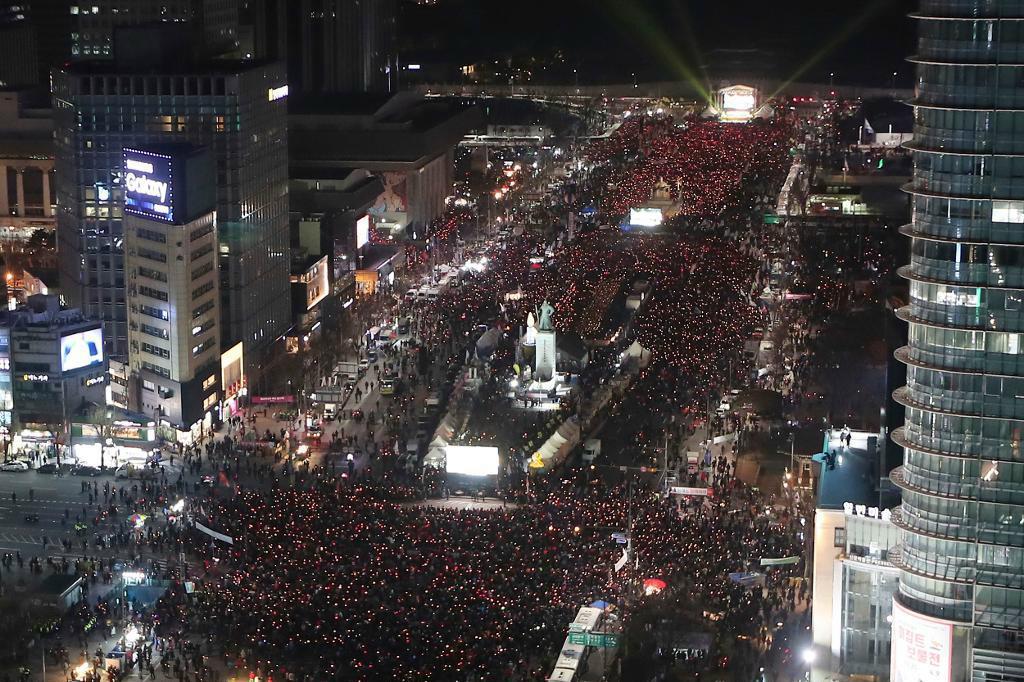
(86, 471)
(14, 465)
(52, 468)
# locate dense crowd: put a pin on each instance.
(342, 583)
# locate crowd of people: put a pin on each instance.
(327, 581)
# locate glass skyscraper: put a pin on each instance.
(238, 110)
(962, 517)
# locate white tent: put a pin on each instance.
(560, 443)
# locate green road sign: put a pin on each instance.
(602, 640)
(771, 219)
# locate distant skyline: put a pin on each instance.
(861, 43)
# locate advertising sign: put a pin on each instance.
(922, 647)
(471, 460)
(148, 185)
(272, 399)
(83, 349)
(362, 231)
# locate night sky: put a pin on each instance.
(862, 42)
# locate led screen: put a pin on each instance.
(148, 185)
(84, 349)
(362, 231)
(645, 217)
(471, 460)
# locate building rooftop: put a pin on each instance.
(855, 476)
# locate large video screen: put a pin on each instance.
(362, 231)
(922, 647)
(84, 349)
(471, 460)
(645, 217)
(148, 186)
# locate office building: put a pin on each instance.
(854, 575)
(170, 240)
(95, 22)
(237, 110)
(57, 365)
(341, 46)
(406, 140)
(34, 37)
(959, 611)
(26, 164)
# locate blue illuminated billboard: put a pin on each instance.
(148, 184)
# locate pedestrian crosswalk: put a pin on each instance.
(21, 539)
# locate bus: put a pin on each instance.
(567, 667)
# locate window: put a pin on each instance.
(199, 291)
(200, 252)
(152, 236)
(154, 256)
(158, 313)
(153, 274)
(201, 329)
(156, 369)
(202, 270)
(839, 538)
(202, 348)
(210, 400)
(201, 310)
(154, 331)
(201, 231)
(153, 293)
(209, 382)
(155, 350)
(1008, 211)
(148, 385)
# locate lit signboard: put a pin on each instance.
(83, 349)
(274, 94)
(148, 185)
(645, 217)
(471, 460)
(922, 647)
(362, 231)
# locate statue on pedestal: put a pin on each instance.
(544, 314)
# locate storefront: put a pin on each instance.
(110, 445)
(33, 442)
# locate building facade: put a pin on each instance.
(959, 611)
(95, 22)
(26, 164)
(341, 46)
(237, 110)
(170, 242)
(57, 365)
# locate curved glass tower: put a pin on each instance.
(962, 553)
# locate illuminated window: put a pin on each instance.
(210, 400)
(1008, 212)
(209, 382)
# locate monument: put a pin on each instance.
(545, 340)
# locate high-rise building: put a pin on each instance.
(94, 23)
(34, 37)
(959, 611)
(237, 110)
(341, 46)
(170, 240)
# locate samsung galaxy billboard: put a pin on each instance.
(148, 184)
